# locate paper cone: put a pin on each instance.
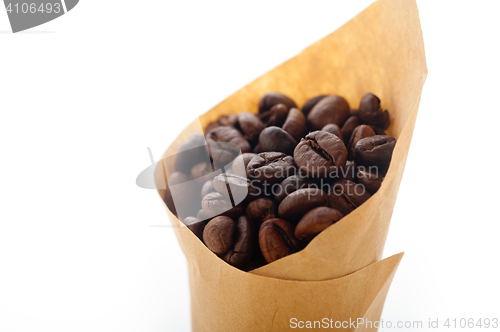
(380, 51)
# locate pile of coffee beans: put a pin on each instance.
(259, 187)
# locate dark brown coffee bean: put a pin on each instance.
(202, 172)
(308, 106)
(276, 116)
(370, 179)
(320, 154)
(230, 120)
(274, 139)
(261, 210)
(214, 204)
(239, 166)
(218, 234)
(359, 132)
(202, 216)
(291, 184)
(346, 196)
(224, 144)
(270, 167)
(235, 212)
(333, 129)
(273, 98)
(244, 239)
(191, 152)
(375, 151)
(298, 203)
(277, 239)
(316, 221)
(371, 113)
(295, 124)
(195, 225)
(332, 109)
(250, 125)
(349, 125)
(235, 187)
(208, 187)
(182, 195)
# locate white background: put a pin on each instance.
(83, 96)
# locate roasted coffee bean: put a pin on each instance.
(191, 152)
(235, 212)
(371, 179)
(214, 204)
(235, 187)
(348, 172)
(295, 124)
(230, 120)
(276, 116)
(195, 225)
(320, 154)
(371, 113)
(224, 144)
(270, 167)
(308, 106)
(218, 234)
(182, 195)
(333, 129)
(349, 125)
(346, 195)
(359, 132)
(250, 125)
(291, 184)
(202, 172)
(277, 239)
(239, 166)
(331, 109)
(295, 205)
(202, 216)
(375, 151)
(274, 139)
(273, 98)
(316, 221)
(244, 239)
(261, 210)
(208, 187)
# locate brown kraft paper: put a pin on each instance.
(338, 275)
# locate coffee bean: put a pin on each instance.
(230, 120)
(250, 125)
(214, 204)
(316, 221)
(295, 124)
(195, 225)
(208, 187)
(308, 106)
(191, 152)
(276, 139)
(359, 132)
(345, 196)
(332, 109)
(202, 172)
(273, 98)
(320, 154)
(234, 186)
(182, 195)
(270, 167)
(333, 129)
(202, 216)
(349, 125)
(239, 166)
(244, 239)
(277, 239)
(375, 151)
(291, 184)
(370, 179)
(371, 113)
(295, 205)
(224, 144)
(218, 234)
(261, 210)
(276, 116)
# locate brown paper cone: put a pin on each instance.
(380, 51)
